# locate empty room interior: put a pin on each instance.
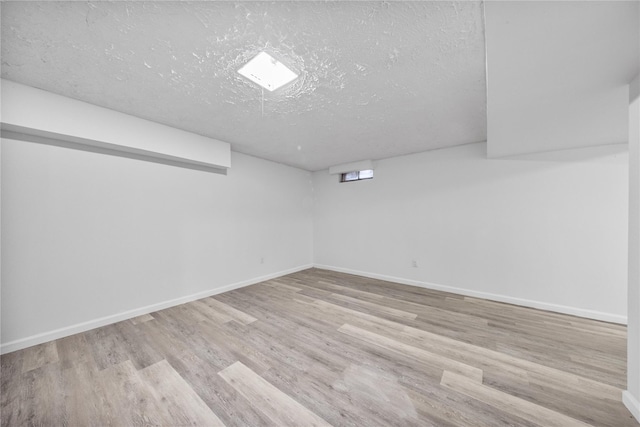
(367, 213)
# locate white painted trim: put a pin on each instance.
(107, 320)
(575, 311)
(632, 404)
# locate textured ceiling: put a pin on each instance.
(377, 79)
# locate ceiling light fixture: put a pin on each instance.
(267, 71)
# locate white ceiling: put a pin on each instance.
(378, 79)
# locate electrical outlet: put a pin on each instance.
(414, 263)
(262, 260)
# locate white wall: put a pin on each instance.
(87, 236)
(546, 230)
(557, 73)
(88, 239)
(632, 396)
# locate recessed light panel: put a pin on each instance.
(267, 71)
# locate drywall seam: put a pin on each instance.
(631, 403)
(574, 311)
(107, 320)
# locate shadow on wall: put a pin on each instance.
(613, 153)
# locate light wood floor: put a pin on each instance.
(318, 348)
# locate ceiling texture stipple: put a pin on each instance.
(377, 79)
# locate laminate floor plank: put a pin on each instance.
(74, 349)
(603, 412)
(598, 361)
(607, 329)
(442, 403)
(434, 414)
(84, 397)
(140, 351)
(41, 402)
(192, 313)
(335, 394)
(434, 318)
(10, 385)
(569, 336)
(280, 408)
(385, 288)
(385, 361)
(274, 307)
(506, 361)
(126, 399)
(525, 313)
(210, 313)
(445, 347)
(526, 409)
(547, 351)
(356, 293)
(422, 310)
(181, 403)
(40, 355)
(422, 356)
(230, 311)
(214, 352)
(236, 346)
(162, 338)
(561, 363)
(319, 347)
(324, 362)
(231, 407)
(276, 284)
(300, 351)
(437, 343)
(374, 307)
(331, 404)
(472, 330)
(105, 347)
(141, 319)
(311, 349)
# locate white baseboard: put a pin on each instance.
(580, 312)
(632, 404)
(107, 320)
